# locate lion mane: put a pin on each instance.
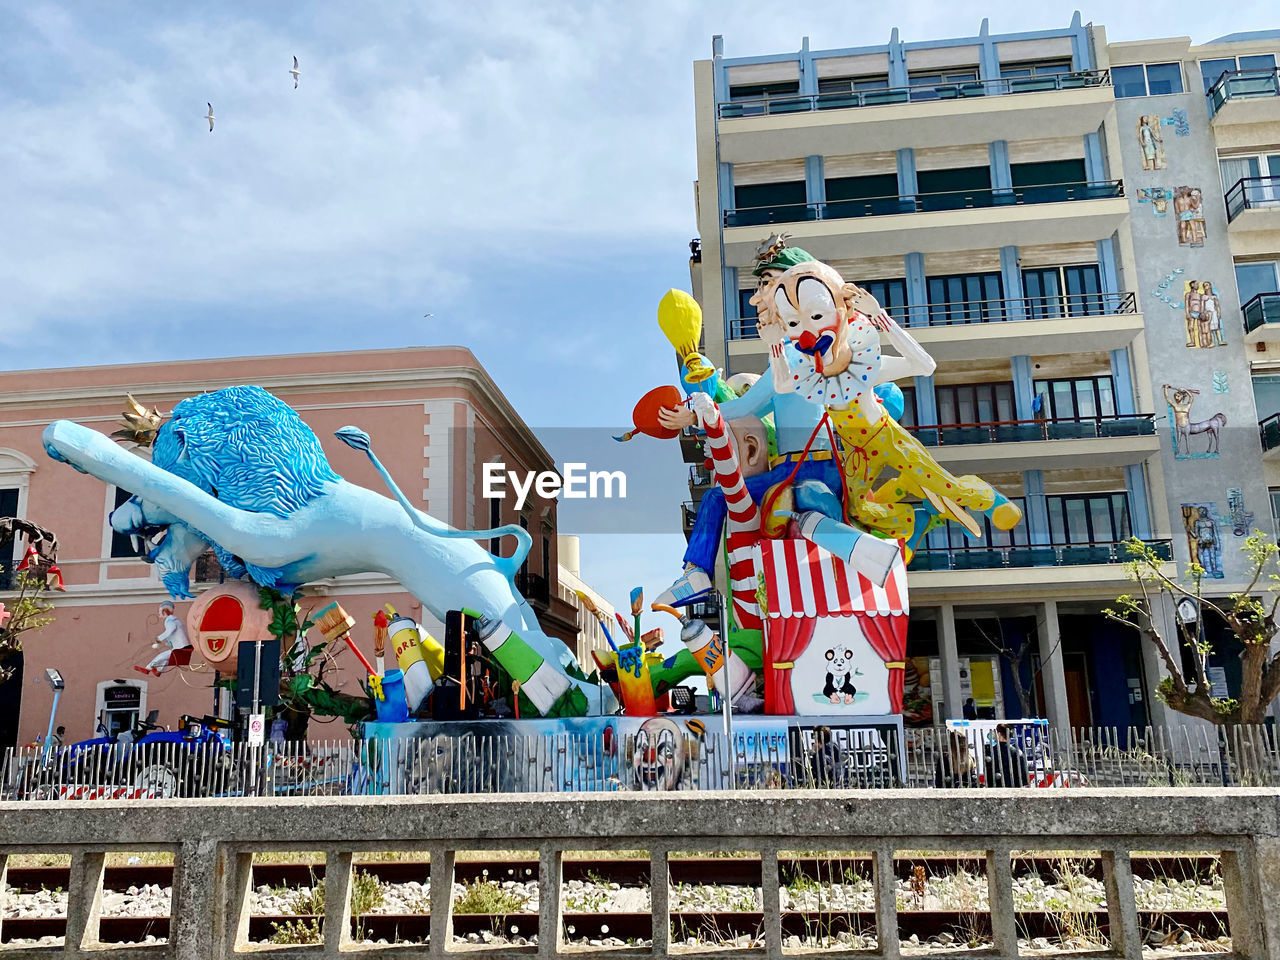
(249, 450)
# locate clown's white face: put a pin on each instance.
(814, 313)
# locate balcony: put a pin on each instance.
(1241, 104)
(1078, 569)
(1253, 216)
(942, 115)
(1105, 441)
(1269, 432)
(995, 329)
(935, 222)
(688, 513)
(1262, 319)
(533, 587)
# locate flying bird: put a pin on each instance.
(425, 315)
(295, 71)
(209, 117)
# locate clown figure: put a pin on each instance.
(836, 327)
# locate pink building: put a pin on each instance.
(436, 417)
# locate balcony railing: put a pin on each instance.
(533, 587)
(699, 477)
(1045, 555)
(1262, 309)
(1019, 431)
(921, 202)
(950, 313)
(963, 90)
(1243, 85)
(1270, 431)
(1251, 193)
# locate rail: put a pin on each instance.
(1261, 310)
(922, 202)
(1030, 555)
(962, 90)
(1000, 310)
(1019, 431)
(1252, 193)
(1243, 85)
(213, 844)
(874, 755)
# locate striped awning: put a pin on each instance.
(803, 580)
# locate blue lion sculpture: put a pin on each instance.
(239, 470)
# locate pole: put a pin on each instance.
(48, 737)
(257, 699)
(726, 696)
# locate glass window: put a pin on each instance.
(121, 543)
(1078, 397)
(954, 189)
(1129, 81)
(890, 294)
(1162, 78)
(1096, 518)
(8, 508)
(769, 194)
(1255, 278)
(860, 188)
(966, 298)
(908, 407)
(847, 84)
(1266, 395)
(1259, 61)
(1106, 397)
(1086, 398)
(745, 307)
(1275, 512)
(975, 403)
(1235, 169)
(755, 91)
(1211, 70)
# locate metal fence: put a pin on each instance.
(856, 758)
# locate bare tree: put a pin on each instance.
(1251, 617)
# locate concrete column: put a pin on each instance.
(897, 61)
(1135, 485)
(1108, 272)
(550, 912)
(1010, 270)
(1266, 857)
(442, 900)
(1024, 390)
(1051, 669)
(907, 188)
(949, 658)
(917, 289)
(771, 901)
(886, 881)
(1122, 910)
(1004, 921)
(1095, 159)
(1153, 668)
(815, 184)
(1037, 507)
(659, 901)
(808, 73)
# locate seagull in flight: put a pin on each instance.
(209, 117)
(425, 315)
(294, 72)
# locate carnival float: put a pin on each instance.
(820, 501)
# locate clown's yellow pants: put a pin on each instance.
(872, 446)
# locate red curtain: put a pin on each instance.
(788, 637)
(887, 635)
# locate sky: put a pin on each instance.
(522, 171)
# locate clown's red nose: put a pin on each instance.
(807, 340)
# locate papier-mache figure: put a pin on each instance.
(793, 421)
(836, 328)
(174, 639)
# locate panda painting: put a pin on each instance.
(840, 670)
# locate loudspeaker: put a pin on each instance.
(268, 683)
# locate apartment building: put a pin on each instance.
(1084, 235)
(435, 416)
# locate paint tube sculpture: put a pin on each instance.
(708, 649)
(550, 691)
(408, 648)
(864, 552)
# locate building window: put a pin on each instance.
(121, 544)
(1077, 398)
(908, 407)
(11, 557)
(119, 705)
(760, 91)
(1264, 168)
(954, 189)
(850, 84)
(1275, 514)
(1266, 395)
(1039, 68)
(957, 538)
(1259, 276)
(946, 83)
(1062, 291)
(966, 298)
(975, 402)
(890, 294)
(1089, 518)
(1049, 181)
(546, 553)
(760, 203)
(848, 196)
(1211, 71)
(495, 520)
(1141, 80)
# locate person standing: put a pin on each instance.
(1006, 765)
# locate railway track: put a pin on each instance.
(707, 925)
(629, 872)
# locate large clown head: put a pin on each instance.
(813, 304)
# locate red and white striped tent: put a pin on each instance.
(804, 584)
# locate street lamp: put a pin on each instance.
(57, 685)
